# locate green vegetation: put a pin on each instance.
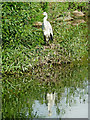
(38, 69)
(22, 43)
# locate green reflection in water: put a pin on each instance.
(20, 92)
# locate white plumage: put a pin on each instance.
(47, 29)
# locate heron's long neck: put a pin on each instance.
(45, 19)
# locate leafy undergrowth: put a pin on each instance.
(72, 46)
(23, 46)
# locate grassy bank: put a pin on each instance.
(22, 44)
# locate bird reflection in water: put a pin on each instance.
(51, 101)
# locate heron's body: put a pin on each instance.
(47, 29)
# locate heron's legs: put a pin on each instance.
(45, 41)
(44, 38)
(51, 37)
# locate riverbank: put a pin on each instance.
(23, 46)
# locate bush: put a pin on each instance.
(17, 20)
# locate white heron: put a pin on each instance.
(47, 29)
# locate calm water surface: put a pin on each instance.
(75, 108)
(61, 92)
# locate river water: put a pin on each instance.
(78, 108)
(61, 94)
